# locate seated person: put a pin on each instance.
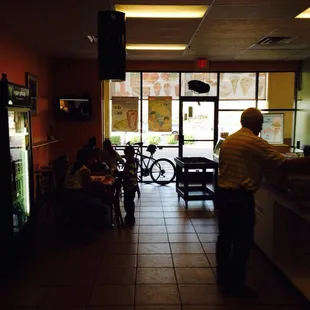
(87, 209)
(110, 156)
(97, 166)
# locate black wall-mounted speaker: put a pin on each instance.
(112, 45)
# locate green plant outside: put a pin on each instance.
(153, 140)
(115, 140)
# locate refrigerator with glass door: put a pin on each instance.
(16, 160)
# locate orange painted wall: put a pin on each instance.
(16, 58)
(76, 78)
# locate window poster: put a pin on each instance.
(273, 128)
(160, 84)
(160, 112)
(237, 86)
(125, 114)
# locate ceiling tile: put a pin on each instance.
(254, 11)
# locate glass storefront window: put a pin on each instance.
(201, 149)
(240, 86)
(206, 77)
(229, 121)
(160, 84)
(237, 104)
(128, 88)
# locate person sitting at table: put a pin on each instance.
(97, 166)
(130, 184)
(88, 210)
(91, 145)
(110, 156)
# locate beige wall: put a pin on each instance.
(303, 117)
(280, 95)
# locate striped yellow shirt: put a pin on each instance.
(243, 159)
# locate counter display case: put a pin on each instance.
(282, 229)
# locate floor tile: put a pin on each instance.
(183, 238)
(207, 237)
(151, 214)
(152, 229)
(114, 275)
(155, 261)
(119, 261)
(206, 229)
(209, 247)
(195, 276)
(157, 295)
(173, 208)
(212, 259)
(158, 308)
(113, 295)
(122, 237)
(190, 260)
(206, 308)
(153, 238)
(177, 221)
(24, 296)
(55, 308)
(154, 248)
(66, 296)
(155, 276)
(180, 229)
(175, 214)
(151, 221)
(109, 308)
(121, 248)
(151, 209)
(186, 248)
(200, 295)
(204, 221)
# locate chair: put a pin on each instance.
(116, 203)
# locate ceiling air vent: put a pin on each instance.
(275, 40)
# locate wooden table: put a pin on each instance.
(194, 180)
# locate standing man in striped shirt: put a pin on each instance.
(242, 161)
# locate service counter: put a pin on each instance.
(282, 229)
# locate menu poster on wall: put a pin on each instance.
(160, 112)
(125, 114)
(273, 128)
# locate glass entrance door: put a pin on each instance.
(198, 122)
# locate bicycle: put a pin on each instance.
(162, 171)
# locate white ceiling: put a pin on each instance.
(227, 32)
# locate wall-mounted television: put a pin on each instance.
(74, 108)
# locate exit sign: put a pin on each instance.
(202, 64)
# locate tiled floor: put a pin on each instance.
(165, 262)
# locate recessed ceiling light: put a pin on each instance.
(304, 14)
(162, 11)
(156, 47)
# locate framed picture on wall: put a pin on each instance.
(32, 83)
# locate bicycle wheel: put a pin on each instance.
(144, 170)
(162, 171)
